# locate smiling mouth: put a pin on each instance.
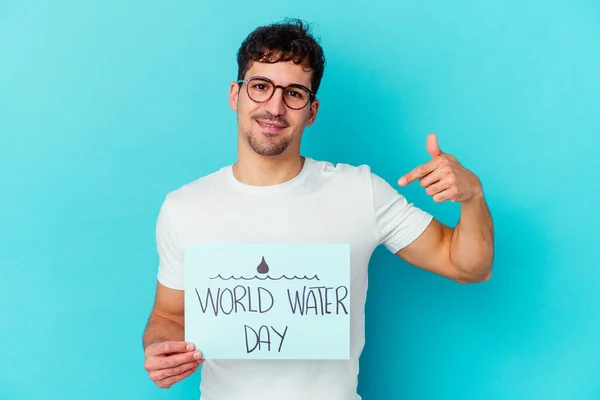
(271, 125)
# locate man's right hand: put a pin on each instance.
(170, 362)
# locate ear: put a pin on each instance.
(312, 113)
(234, 91)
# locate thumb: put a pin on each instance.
(433, 147)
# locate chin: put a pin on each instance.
(266, 147)
(269, 143)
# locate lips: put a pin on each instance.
(270, 126)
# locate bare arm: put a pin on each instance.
(472, 244)
(169, 359)
(166, 322)
(464, 253)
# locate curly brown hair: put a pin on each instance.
(289, 40)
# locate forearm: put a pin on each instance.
(161, 329)
(472, 244)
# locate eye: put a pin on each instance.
(296, 94)
(259, 86)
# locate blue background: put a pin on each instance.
(105, 106)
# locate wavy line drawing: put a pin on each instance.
(265, 278)
(263, 268)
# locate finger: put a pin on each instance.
(447, 194)
(419, 172)
(168, 347)
(434, 176)
(439, 186)
(156, 363)
(433, 147)
(170, 381)
(168, 372)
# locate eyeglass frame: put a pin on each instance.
(311, 96)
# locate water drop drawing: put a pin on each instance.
(263, 267)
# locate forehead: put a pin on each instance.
(282, 73)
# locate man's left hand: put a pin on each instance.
(444, 177)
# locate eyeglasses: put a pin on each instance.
(261, 89)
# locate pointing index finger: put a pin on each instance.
(418, 172)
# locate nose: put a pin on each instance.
(275, 105)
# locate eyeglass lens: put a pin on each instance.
(261, 90)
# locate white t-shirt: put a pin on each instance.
(323, 203)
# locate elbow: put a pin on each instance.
(475, 271)
(480, 276)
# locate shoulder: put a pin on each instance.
(198, 190)
(362, 178)
(342, 171)
(357, 175)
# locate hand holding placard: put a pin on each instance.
(170, 362)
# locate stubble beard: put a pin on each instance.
(267, 147)
(262, 144)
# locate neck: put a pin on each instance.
(257, 170)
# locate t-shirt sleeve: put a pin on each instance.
(398, 221)
(170, 250)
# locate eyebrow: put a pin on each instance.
(291, 84)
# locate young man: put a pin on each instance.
(272, 193)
